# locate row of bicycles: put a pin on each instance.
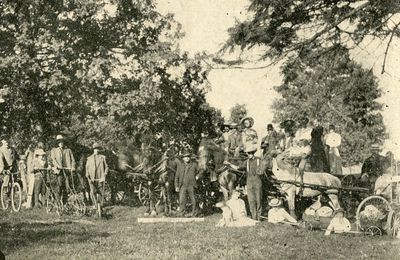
(60, 193)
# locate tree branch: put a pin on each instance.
(387, 47)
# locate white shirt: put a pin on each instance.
(276, 215)
(333, 140)
(338, 225)
(303, 134)
(237, 207)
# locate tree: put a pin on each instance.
(332, 88)
(238, 112)
(291, 27)
(99, 69)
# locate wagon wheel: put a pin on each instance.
(107, 194)
(144, 194)
(372, 211)
(393, 224)
(373, 231)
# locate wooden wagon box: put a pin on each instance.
(316, 221)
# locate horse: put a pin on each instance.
(211, 158)
(283, 173)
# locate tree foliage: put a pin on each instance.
(332, 88)
(101, 69)
(292, 26)
(238, 111)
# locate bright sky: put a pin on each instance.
(205, 23)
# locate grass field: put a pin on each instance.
(32, 234)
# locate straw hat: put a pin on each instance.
(59, 137)
(250, 119)
(275, 202)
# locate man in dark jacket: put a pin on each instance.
(270, 142)
(187, 174)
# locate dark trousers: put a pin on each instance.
(59, 187)
(96, 191)
(38, 188)
(254, 194)
(183, 192)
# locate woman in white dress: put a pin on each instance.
(333, 140)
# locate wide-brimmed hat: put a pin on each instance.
(96, 145)
(59, 137)
(325, 211)
(251, 120)
(39, 152)
(275, 202)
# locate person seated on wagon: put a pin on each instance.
(338, 224)
(249, 135)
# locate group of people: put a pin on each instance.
(322, 147)
(56, 167)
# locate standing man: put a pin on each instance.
(185, 182)
(270, 142)
(255, 168)
(249, 135)
(96, 172)
(61, 159)
(39, 167)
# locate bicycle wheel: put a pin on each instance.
(16, 197)
(79, 206)
(373, 211)
(5, 198)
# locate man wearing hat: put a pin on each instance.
(255, 168)
(374, 166)
(249, 135)
(277, 214)
(96, 172)
(270, 142)
(61, 159)
(187, 173)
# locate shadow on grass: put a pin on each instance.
(19, 236)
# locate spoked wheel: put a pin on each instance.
(144, 194)
(349, 181)
(373, 231)
(107, 195)
(373, 212)
(16, 197)
(76, 205)
(5, 197)
(393, 224)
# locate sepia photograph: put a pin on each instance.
(200, 129)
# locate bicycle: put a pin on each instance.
(11, 191)
(52, 203)
(75, 202)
